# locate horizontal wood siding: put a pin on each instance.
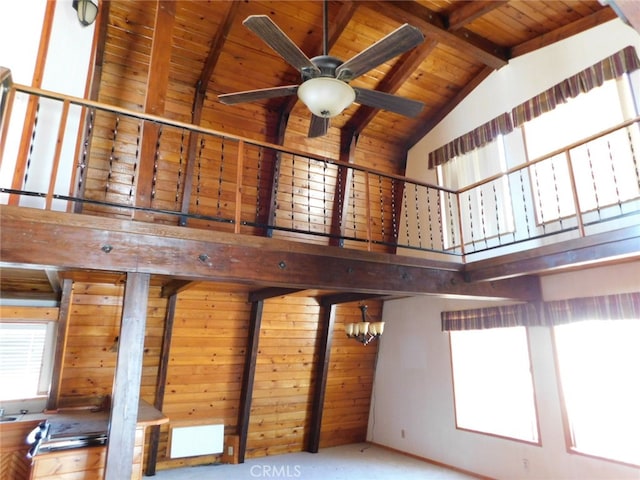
(94, 326)
(349, 381)
(206, 363)
(281, 407)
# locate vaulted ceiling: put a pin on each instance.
(196, 50)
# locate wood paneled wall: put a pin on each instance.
(350, 380)
(206, 362)
(92, 338)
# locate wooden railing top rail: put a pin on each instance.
(196, 128)
(551, 154)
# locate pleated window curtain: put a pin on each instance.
(623, 306)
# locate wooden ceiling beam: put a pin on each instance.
(173, 287)
(228, 16)
(448, 108)
(231, 8)
(349, 297)
(467, 12)
(400, 72)
(434, 27)
(271, 292)
(154, 101)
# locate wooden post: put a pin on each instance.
(61, 343)
(154, 437)
(126, 384)
(154, 103)
(322, 371)
(246, 393)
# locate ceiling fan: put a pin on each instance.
(325, 88)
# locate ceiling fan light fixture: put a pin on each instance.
(325, 96)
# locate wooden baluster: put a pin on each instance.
(56, 156)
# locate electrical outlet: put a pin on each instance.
(230, 450)
(525, 463)
(402, 433)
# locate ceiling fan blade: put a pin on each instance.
(318, 126)
(260, 94)
(399, 41)
(387, 101)
(273, 36)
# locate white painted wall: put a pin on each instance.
(413, 389)
(413, 386)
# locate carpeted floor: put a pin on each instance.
(350, 462)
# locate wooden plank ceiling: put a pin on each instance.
(212, 53)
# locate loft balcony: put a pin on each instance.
(103, 165)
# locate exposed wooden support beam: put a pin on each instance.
(433, 27)
(348, 297)
(601, 16)
(154, 103)
(61, 343)
(467, 12)
(189, 254)
(161, 382)
(401, 71)
(231, 8)
(126, 384)
(321, 373)
(54, 280)
(173, 287)
(594, 249)
(228, 16)
(246, 392)
(448, 108)
(266, 293)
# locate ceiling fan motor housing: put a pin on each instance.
(325, 63)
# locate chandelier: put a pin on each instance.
(364, 331)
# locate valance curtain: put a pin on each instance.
(624, 61)
(615, 66)
(475, 139)
(623, 306)
(523, 314)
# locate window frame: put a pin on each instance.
(537, 442)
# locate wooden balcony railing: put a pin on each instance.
(65, 153)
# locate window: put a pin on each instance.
(26, 351)
(599, 372)
(492, 381)
(604, 169)
(486, 210)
